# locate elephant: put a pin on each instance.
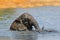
(25, 22)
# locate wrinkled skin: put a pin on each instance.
(27, 22)
(18, 26)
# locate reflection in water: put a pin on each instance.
(24, 35)
(6, 13)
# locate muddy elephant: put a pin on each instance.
(25, 22)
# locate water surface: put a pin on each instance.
(47, 16)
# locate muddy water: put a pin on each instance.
(7, 19)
